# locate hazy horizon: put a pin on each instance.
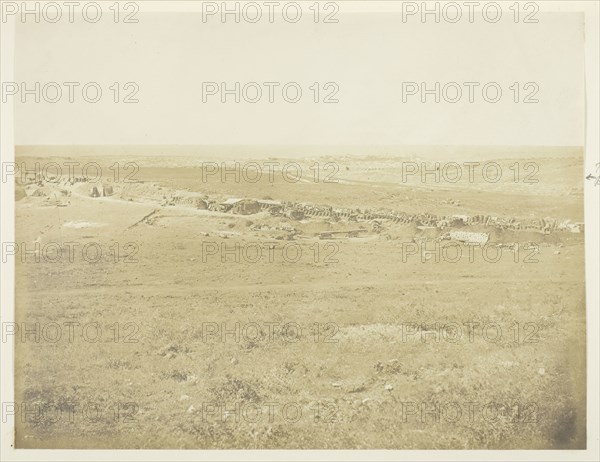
(446, 152)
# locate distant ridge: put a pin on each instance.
(225, 152)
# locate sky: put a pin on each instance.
(366, 57)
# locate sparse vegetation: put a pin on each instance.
(353, 376)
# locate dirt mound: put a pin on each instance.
(41, 191)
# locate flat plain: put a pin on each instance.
(301, 314)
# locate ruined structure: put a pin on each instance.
(246, 207)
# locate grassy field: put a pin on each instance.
(350, 346)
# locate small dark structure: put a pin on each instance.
(295, 214)
(200, 203)
(246, 207)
